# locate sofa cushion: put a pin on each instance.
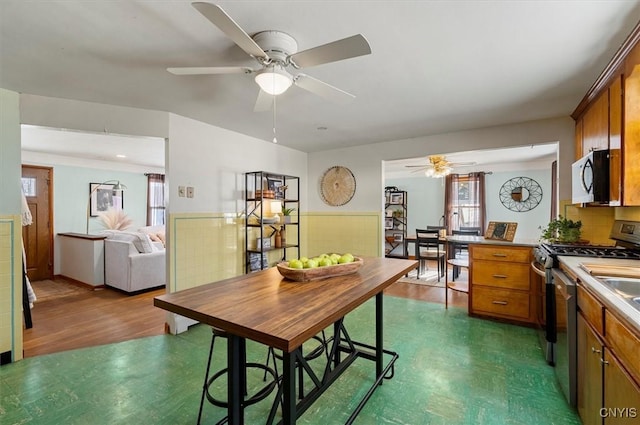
(140, 240)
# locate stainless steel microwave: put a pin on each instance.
(590, 178)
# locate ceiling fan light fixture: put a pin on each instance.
(274, 80)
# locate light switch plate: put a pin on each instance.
(181, 192)
(189, 191)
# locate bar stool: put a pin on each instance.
(453, 285)
(321, 348)
(248, 401)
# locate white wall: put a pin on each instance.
(366, 161)
(213, 161)
(426, 201)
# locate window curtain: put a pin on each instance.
(464, 201)
(155, 199)
(451, 184)
(554, 190)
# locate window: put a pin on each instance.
(155, 199)
(465, 201)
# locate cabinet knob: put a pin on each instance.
(593, 350)
(499, 302)
(604, 362)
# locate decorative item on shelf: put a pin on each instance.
(562, 230)
(266, 194)
(103, 196)
(276, 209)
(263, 243)
(278, 239)
(286, 214)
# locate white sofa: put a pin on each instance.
(133, 262)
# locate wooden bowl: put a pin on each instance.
(307, 275)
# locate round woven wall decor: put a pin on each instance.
(337, 186)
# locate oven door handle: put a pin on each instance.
(537, 270)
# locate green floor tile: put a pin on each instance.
(452, 369)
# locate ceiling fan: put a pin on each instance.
(277, 53)
(438, 166)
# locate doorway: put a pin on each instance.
(38, 237)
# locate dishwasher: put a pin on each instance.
(566, 334)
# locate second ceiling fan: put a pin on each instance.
(438, 166)
(277, 53)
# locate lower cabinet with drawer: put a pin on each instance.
(608, 365)
(500, 282)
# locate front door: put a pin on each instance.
(38, 237)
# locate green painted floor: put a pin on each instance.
(452, 369)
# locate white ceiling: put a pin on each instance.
(435, 67)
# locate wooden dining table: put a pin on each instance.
(283, 314)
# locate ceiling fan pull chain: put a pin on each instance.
(274, 120)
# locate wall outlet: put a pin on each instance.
(181, 192)
(190, 191)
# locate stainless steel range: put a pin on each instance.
(560, 296)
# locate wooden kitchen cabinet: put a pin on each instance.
(590, 382)
(595, 125)
(631, 141)
(621, 394)
(608, 365)
(615, 141)
(500, 278)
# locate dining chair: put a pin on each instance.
(428, 247)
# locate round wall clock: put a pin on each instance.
(337, 186)
(520, 194)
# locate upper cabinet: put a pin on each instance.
(631, 140)
(595, 125)
(608, 117)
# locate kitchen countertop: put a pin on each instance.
(480, 240)
(610, 299)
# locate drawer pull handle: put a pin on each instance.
(499, 255)
(604, 362)
(593, 350)
(500, 302)
(500, 276)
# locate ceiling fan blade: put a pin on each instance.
(264, 102)
(417, 166)
(323, 89)
(346, 48)
(208, 70)
(227, 25)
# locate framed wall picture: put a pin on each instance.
(277, 185)
(396, 198)
(388, 223)
(398, 237)
(102, 197)
(501, 230)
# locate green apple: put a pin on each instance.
(345, 259)
(304, 259)
(350, 256)
(311, 264)
(326, 261)
(334, 258)
(295, 264)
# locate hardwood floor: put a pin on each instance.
(78, 318)
(85, 318)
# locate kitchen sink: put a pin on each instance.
(626, 287)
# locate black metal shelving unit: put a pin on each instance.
(395, 223)
(259, 228)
